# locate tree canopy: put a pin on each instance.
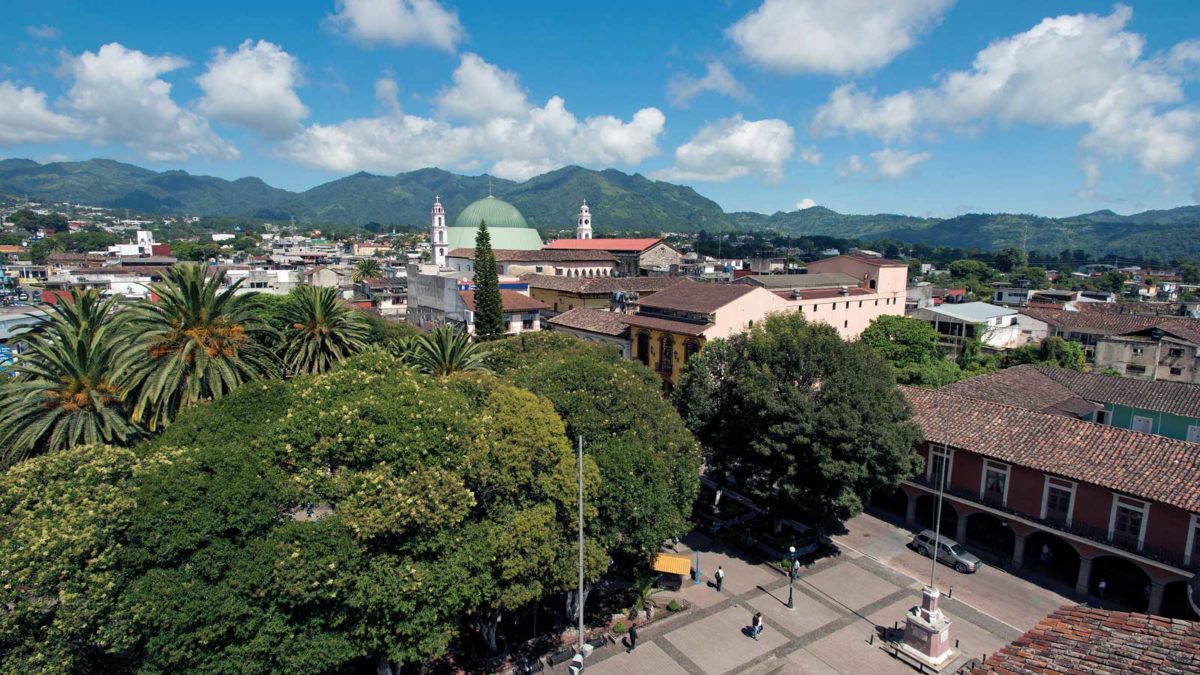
(809, 424)
(911, 346)
(489, 306)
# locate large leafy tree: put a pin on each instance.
(65, 520)
(1052, 350)
(321, 330)
(911, 347)
(68, 387)
(810, 425)
(347, 520)
(489, 307)
(197, 341)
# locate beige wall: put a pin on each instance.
(659, 255)
(1119, 353)
(738, 315)
(850, 315)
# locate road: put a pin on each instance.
(993, 591)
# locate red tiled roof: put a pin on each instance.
(1151, 467)
(558, 282)
(700, 298)
(1081, 639)
(668, 325)
(517, 255)
(512, 301)
(1176, 398)
(591, 320)
(1106, 323)
(1024, 386)
(613, 244)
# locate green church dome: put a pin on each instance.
(494, 212)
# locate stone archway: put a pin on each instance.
(1052, 556)
(1126, 584)
(926, 510)
(1175, 602)
(991, 535)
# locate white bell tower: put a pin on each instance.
(437, 233)
(583, 226)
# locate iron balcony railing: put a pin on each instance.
(1096, 534)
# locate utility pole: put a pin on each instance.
(581, 597)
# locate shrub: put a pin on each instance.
(674, 606)
(619, 627)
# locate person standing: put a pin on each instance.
(720, 577)
(756, 625)
(632, 638)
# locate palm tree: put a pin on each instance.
(367, 268)
(196, 342)
(322, 330)
(66, 389)
(442, 352)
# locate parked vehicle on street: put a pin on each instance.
(948, 551)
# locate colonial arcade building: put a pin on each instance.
(1110, 512)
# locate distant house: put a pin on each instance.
(593, 325)
(1088, 323)
(521, 312)
(1169, 352)
(634, 256)
(996, 327)
(563, 293)
(565, 262)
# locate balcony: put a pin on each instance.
(1055, 523)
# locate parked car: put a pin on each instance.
(948, 551)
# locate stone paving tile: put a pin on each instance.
(847, 651)
(647, 658)
(718, 644)
(851, 585)
(808, 616)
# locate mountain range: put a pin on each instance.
(620, 202)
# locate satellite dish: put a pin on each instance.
(1194, 592)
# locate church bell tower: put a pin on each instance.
(583, 226)
(437, 233)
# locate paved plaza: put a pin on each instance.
(841, 602)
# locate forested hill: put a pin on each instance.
(620, 201)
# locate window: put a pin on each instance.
(1174, 351)
(871, 283)
(690, 349)
(993, 488)
(1193, 435)
(876, 303)
(1191, 554)
(814, 308)
(1103, 416)
(860, 303)
(1176, 371)
(941, 463)
(846, 324)
(1137, 351)
(666, 353)
(1142, 424)
(1058, 501)
(1131, 369)
(1127, 523)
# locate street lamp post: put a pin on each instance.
(791, 576)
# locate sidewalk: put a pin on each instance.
(840, 604)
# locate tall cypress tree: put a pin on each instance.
(489, 310)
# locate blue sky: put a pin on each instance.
(926, 107)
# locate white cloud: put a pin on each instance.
(119, 93)
(839, 38)
(717, 78)
(398, 23)
(515, 140)
(732, 148)
(806, 203)
(482, 91)
(254, 87)
(895, 164)
(387, 95)
(1080, 70)
(853, 165)
(811, 156)
(25, 117)
(43, 32)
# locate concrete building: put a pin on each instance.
(521, 312)
(997, 327)
(1088, 323)
(674, 323)
(1112, 512)
(1169, 353)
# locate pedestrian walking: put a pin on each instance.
(756, 625)
(632, 638)
(720, 577)
(795, 569)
